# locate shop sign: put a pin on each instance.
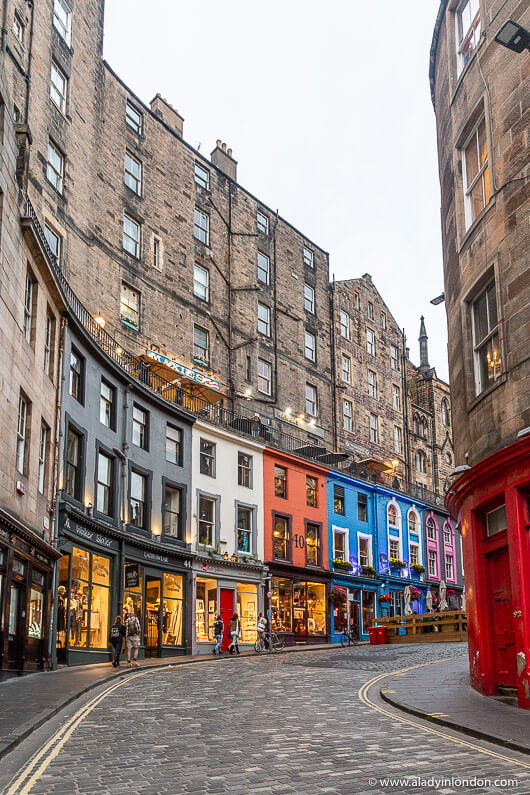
(356, 448)
(155, 556)
(90, 535)
(187, 372)
(132, 575)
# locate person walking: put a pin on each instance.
(218, 629)
(234, 628)
(262, 628)
(117, 636)
(132, 639)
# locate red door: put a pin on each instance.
(226, 601)
(501, 612)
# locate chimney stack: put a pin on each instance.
(163, 110)
(222, 158)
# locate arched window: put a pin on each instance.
(413, 521)
(431, 529)
(392, 515)
(446, 419)
(448, 534)
(415, 424)
(421, 461)
(423, 428)
(448, 458)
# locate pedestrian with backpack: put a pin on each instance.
(234, 628)
(116, 638)
(218, 629)
(132, 639)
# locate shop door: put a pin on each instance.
(16, 627)
(226, 607)
(153, 612)
(354, 612)
(501, 613)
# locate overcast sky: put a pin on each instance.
(326, 106)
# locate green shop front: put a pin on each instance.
(103, 573)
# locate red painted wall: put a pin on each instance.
(501, 478)
(295, 504)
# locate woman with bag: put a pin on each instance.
(117, 637)
(218, 628)
(234, 628)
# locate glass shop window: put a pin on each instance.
(173, 610)
(205, 609)
(367, 609)
(35, 613)
(88, 600)
(247, 609)
(316, 608)
(281, 605)
(133, 599)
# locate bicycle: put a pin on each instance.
(262, 643)
(350, 637)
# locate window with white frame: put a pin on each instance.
(139, 427)
(62, 20)
(432, 563)
(421, 461)
(55, 167)
(370, 341)
(43, 446)
(104, 484)
(475, 172)
(28, 306)
(394, 357)
(49, 333)
(398, 439)
(365, 550)
(201, 282)
(374, 429)
(201, 346)
(202, 176)
(244, 470)
(467, 30)
(311, 400)
(131, 236)
(340, 544)
(309, 299)
(264, 377)
(486, 339)
(137, 500)
(207, 458)
(447, 534)
(356, 301)
(201, 226)
(347, 415)
(310, 346)
(133, 118)
(130, 306)
(244, 528)
(58, 87)
(132, 175)
(393, 548)
(396, 398)
(308, 257)
(346, 368)
(414, 555)
(156, 252)
(264, 320)
(370, 310)
(54, 241)
(207, 508)
(372, 384)
(21, 434)
(262, 223)
(431, 529)
(106, 400)
(449, 568)
(392, 515)
(413, 522)
(344, 324)
(173, 444)
(264, 268)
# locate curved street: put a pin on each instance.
(299, 723)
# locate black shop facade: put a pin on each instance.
(103, 573)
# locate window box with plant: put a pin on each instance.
(367, 571)
(416, 569)
(396, 563)
(342, 565)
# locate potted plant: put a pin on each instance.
(396, 563)
(342, 565)
(367, 571)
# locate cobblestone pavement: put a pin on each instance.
(285, 723)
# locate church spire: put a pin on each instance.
(424, 350)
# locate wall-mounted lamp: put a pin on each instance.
(513, 36)
(89, 509)
(438, 300)
(100, 321)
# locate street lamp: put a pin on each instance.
(438, 300)
(513, 36)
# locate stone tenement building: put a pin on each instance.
(179, 261)
(480, 91)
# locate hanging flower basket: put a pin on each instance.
(367, 571)
(415, 595)
(336, 596)
(385, 597)
(342, 565)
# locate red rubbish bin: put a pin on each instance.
(382, 635)
(372, 634)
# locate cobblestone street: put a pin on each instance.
(287, 723)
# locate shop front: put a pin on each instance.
(224, 588)
(299, 605)
(353, 600)
(26, 566)
(101, 576)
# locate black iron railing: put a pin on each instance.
(215, 413)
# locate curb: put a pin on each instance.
(448, 724)
(7, 746)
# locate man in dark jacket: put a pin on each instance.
(117, 634)
(218, 629)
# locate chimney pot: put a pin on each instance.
(229, 152)
(218, 142)
(223, 147)
(222, 158)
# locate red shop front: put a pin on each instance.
(491, 501)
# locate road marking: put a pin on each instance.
(424, 727)
(437, 714)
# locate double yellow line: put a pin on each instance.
(394, 715)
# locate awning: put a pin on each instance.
(377, 464)
(193, 382)
(332, 459)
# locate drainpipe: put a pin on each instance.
(433, 462)
(52, 645)
(333, 366)
(122, 455)
(30, 51)
(274, 299)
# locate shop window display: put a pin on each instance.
(83, 600)
(133, 601)
(281, 605)
(247, 603)
(35, 613)
(316, 608)
(173, 608)
(205, 609)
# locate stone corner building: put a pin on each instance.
(480, 92)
